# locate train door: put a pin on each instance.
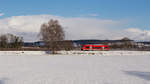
(91, 48)
(103, 48)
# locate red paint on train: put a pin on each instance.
(96, 47)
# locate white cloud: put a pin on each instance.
(134, 30)
(1, 14)
(138, 34)
(75, 28)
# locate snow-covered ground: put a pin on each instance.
(39, 68)
(99, 53)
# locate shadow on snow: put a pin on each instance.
(3, 80)
(143, 75)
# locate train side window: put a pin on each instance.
(106, 47)
(87, 47)
(97, 47)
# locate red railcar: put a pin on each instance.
(95, 47)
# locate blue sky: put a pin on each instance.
(115, 9)
(136, 12)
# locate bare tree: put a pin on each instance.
(127, 42)
(66, 45)
(126, 39)
(3, 41)
(10, 41)
(15, 41)
(51, 33)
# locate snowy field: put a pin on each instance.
(39, 68)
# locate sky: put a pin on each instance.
(81, 19)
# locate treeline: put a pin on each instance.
(11, 41)
(125, 43)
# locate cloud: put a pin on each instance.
(1, 14)
(75, 27)
(138, 34)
